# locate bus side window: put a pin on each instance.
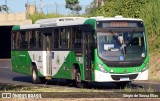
(23, 40)
(76, 37)
(56, 38)
(32, 40)
(40, 40)
(35, 40)
(64, 38)
(15, 40)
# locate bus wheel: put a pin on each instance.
(35, 78)
(78, 79)
(123, 84)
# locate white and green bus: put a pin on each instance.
(95, 49)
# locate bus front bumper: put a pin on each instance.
(107, 77)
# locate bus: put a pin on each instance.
(95, 49)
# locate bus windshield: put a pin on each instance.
(121, 45)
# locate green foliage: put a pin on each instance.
(38, 16)
(72, 1)
(90, 9)
(127, 8)
(148, 10)
(4, 8)
(73, 5)
(150, 13)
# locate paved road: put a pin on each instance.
(7, 76)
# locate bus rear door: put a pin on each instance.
(47, 47)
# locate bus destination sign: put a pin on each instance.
(119, 24)
(115, 24)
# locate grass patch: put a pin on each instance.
(154, 65)
(28, 88)
(9, 87)
(139, 89)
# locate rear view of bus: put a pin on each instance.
(121, 54)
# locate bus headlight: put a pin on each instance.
(101, 68)
(145, 67)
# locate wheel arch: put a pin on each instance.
(76, 67)
(33, 65)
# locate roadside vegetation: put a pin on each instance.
(54, 88)
(128, 89)
(34, 88)
(38, 16)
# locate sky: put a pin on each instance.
(16, 6)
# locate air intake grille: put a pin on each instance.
(117, 77)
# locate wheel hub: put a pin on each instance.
(78, 78)
(34, 75)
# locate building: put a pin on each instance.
(31, 9)
(7, 20)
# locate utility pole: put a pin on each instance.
(56, 7)
(99, 3)
(27, 10)
(96, 3)
(5, 6)
(41, 6)
(6, 2)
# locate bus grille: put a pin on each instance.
(124, 64)
(117, 77)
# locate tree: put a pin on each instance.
(73, 5)
(150, 13)
(89, 10)
(127, 8)
(4, 8)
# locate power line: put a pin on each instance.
(6, 2)
(41, 5)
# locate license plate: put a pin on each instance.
(124, 79)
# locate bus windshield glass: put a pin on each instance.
(121, 45)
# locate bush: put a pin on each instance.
(38, 16)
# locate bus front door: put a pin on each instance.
(48, 45)
(87, 51)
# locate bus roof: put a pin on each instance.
(16, 27)
(68, 21)
(54, 22)
(61, 19)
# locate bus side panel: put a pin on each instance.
(60, 64)
(21, 62)
(37, 57)
(79, 61)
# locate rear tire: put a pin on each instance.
(35, 78)
(78, 79)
